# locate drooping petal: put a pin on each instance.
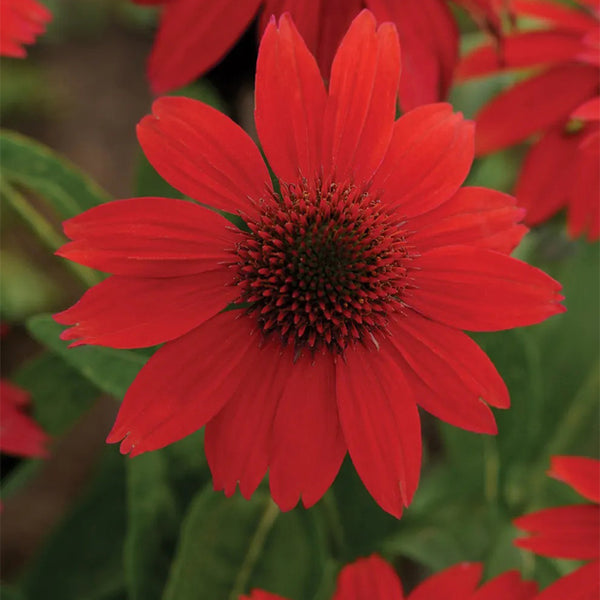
(534, 105)
(474, 216)
(21, 21)
(371, 578)
(290, 102)
(185, 384)
(149, 237)
(307, 446)
(580, 472)
(203, 153)
(538, 193)
(361, 106)
(528, 49)
(508, 585)
(555, 13)
(321, 23)
(122, 312)
(451, 377)
(381, 425)
(238, 439)
(563, 532)
(20, 435)
(456, 583)
(193, 36)
(481, 290)
(582, 584)
(428, 159)
(429, 40)
(588, 111)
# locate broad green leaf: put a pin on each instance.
(112, 371)
(49, 175)
(160, 486)
(231, 545)
(58, 393)
(82, 559)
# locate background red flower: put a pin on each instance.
(21, 21)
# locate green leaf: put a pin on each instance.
(59, 394)
(160, 486)
(231, 545)
(81, 560)
(112, 371)
(40, 170)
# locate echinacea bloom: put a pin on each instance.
(350, 279)
(21, 21)
(559, 101)
(374, 579)
(195, 34)
(20, 435)
(569, 531)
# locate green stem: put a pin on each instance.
(254, 549)
(44, 230)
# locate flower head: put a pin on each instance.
(21, 21)
(569, 531)
(559, 101)
(195, 34)
(348, 282)
(374, 579)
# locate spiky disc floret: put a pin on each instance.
(323, 265)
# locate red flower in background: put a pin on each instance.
(373, 579)
(356, 277)
(194, 35)
(569, 531)
(20, 435)
(562, 168)
(21, 21)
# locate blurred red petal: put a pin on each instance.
(368, 578)
(579, 472)
(582, 584)
(456, 583)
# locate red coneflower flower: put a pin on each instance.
(569, 531)
(21, 21)
(373, 579)
(195, 34)
(351, 278)
(568, 52)
(20, 435)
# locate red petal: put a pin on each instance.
(579, 472)
(529, 49)
(238, 439)
(122, 312)
(20, 435)
(185, 384)
(428, 159)
(583, 584)
(505, 586)
(149, 237)
(539, 194)
(474, 216)
(193, 37)
(563, 532)
(307, 445)
(429, 40)
(588, 111)
(456, 583)
(368, 578)
(261, 595)
(481, 290)
(290, 102)
(322, 25)
(21, 21)
(381, 425)
(556, 13)
(361, 107)
(203, 154)
(451, 376)
(534, 105)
